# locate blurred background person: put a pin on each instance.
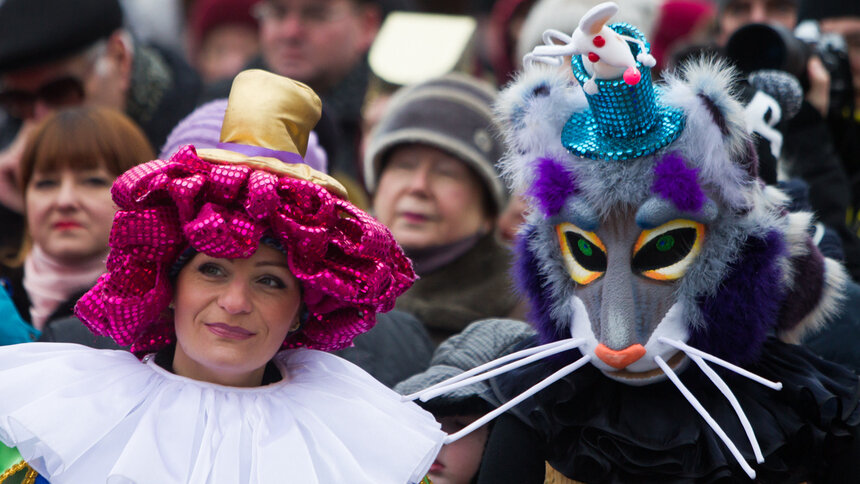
(734, 14)
(324, 44)
(67, 168)
(746, 30)
(55, 53)
(681, 23)
(509, 221)
(222, 38)
(479, 343)
(318, 42)
(430, 166)
(840, 21)
(503, 33)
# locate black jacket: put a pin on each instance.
(810, 155)
(393, 350)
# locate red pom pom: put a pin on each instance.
(593, 57)
(599, 41)
(632, 76)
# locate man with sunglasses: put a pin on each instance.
(56, 53)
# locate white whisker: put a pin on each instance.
(725, 364)
(528, 355)
(704, 413)
(716, 380)
(519, 398)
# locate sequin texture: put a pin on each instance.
(348, 264)
(623, 121)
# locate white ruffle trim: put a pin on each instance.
(79, 415)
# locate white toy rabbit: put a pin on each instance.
(605, 53)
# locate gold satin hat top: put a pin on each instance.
(266, 126)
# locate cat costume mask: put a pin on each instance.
(651, 244)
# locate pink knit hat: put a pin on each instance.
(206, 15)
(221, 203)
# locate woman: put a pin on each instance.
(67, 169)
(430, 165)
(219, 260)
(398, 345)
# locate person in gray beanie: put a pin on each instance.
(430, 167)
(479, 343)
(452, 113)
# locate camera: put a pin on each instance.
(755, 47)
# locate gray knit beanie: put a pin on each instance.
(453, 113)
(480, 342)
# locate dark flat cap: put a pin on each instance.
(34, 32)
(480, 342)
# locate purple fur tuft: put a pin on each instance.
(531, 283)
(677, 183)
(739, 316)
(553, 185)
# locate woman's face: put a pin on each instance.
(70, 212)
(459, 461)
(232, 316)
(429, 198)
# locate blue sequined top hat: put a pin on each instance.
(623, 121)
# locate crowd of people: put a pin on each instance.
(294, 244)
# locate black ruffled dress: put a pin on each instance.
(593, 429)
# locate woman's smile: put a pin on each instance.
(415, 217)
(227, 331)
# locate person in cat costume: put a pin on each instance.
(668, 285)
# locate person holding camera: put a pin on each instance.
(841, 20)
(808, 151)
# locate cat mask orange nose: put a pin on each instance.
(619, 358)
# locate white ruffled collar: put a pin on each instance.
(278, 361)
(83, 415)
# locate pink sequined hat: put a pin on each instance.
(222, 202)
